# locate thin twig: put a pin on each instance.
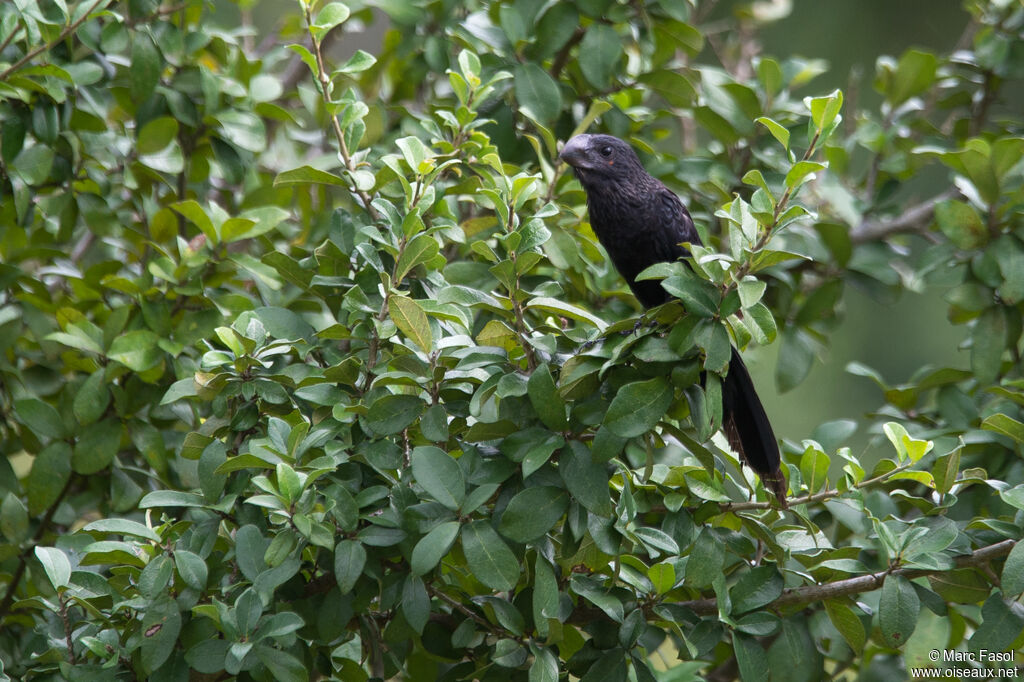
(68, 30)
(19, 572)
(914, 219)
(465, 610)
(325, 86)
(816, 497)
(859, 584)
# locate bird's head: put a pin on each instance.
(600, 159)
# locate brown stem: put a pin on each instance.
(19, 572)
(859, 584)
(562, 58)
(67, 627)
(325, 84)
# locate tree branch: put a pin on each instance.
(23, 558)
(914, 219)
(68, 30)
(861, 583)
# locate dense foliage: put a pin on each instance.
(311, 367)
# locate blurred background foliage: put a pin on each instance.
(312, 367)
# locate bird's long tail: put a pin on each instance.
(747, 428)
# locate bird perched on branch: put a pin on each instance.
(641, 222)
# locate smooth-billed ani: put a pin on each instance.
(641, 222)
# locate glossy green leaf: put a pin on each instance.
(391, 414)
(410, 319)
(433, 546)
(439, 474)
(349, 560)
(489, 558)
(544, 397)
(637, 407)
(40, 417)
(532, 513)
(897, 610)
(600, 50)
(537, 92)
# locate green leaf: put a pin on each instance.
(549, 405)
(673, 86)
(410, 319)
(698, 297)
(962, 223)
(825, 109)
(360, 61)
(593, 590)
(545, 594)
(795, 358)
(156, 135)
(537, 93)
(433, 546)
(914, 74)
(137, 350)
(96, 446)
(599, 52)
(556, 307)
(349, 561)
(391, 414)
(756, 588)
(171, 498)
(897, 610)
(191, 568)
(586, 479)
(415, 603)
(814, 465)
(419, 250)
(56, 564)
(946, 469)
(1001, 625)
(13, 518)
(1008, 426)
(706, 559)
(51, 471)
(988, 340)
(545, 665)
(40, 417)
(33, 164)
(304, 175)
(532, 513)
(778, 131)
(1012, 578)
(439, 474)
(801, 172)
(637, 407)
(122, 527)
(243, 129)
(489, 558)
(750, 659)
(92, 398)
(847, 623)
(283, 666)
(330, 16)
(146, 65)
(160, 627)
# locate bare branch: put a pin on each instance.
(861, 583)
(915, 219)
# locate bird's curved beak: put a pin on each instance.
(574, 152)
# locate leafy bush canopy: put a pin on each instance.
(312, 368)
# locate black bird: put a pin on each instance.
(641, 222)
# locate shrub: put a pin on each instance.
(312, 368)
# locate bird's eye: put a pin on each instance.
(606, 151)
